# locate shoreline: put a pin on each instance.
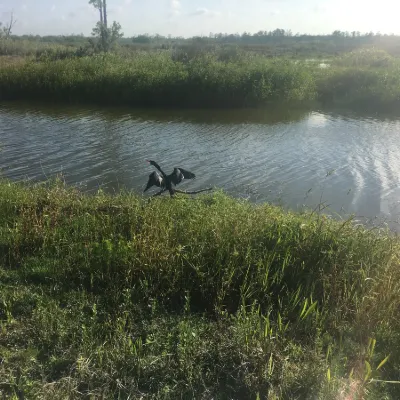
(113, 295)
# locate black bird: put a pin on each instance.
(155, 179)
(165, 181)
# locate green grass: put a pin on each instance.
(206, 297)
(32, 48)
(365, 79)
(155, 79)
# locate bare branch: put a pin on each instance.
(7, 29)
(99, 5)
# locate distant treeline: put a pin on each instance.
(278, 42)
(245, 37)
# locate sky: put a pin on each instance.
(201, 17)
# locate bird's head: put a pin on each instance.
(151, 162)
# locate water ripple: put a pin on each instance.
(299, 158)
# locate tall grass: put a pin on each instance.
(155, 79)
(362, 88)
(204, 297)
(365, 79)
(31, 48)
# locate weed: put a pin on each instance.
(118, 297)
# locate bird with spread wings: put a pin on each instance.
(167, 182)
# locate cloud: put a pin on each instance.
(274, 13)
(319, 9)
(127, 2)
(175, 4)
(71, 15)
(115, 10)
(175, 7)
(204, 12)
(88, 8)
(53, 7)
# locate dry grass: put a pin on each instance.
(12, 61)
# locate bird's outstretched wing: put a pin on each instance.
(155, 179)
(187, 174)
(180, 174)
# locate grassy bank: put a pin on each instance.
(146, 79)
(191, 298)
(156, 79)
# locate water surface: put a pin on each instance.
(350, 163)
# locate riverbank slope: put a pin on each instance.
(191, 297)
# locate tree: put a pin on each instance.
(278, 32)
(6, 30)
(107, 36)
(105, 12)
(99, 5)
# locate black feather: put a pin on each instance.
(179, 175)
(155, 179)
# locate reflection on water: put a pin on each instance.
(289, 156)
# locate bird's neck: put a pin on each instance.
(159, 168)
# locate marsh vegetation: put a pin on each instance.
(178, 298)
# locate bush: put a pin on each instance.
(368, 57)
